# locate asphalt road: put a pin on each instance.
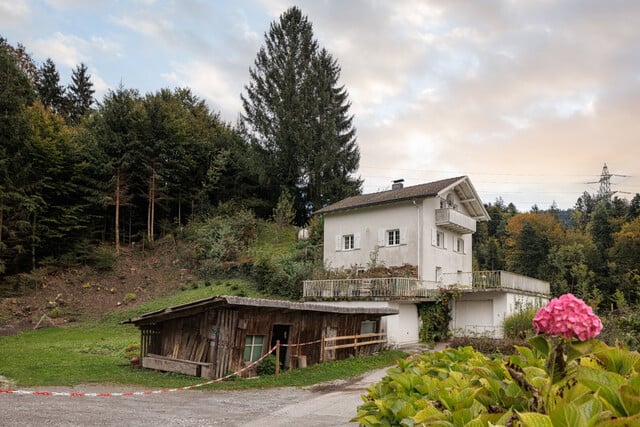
(332, 404)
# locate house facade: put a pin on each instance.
(429, 226)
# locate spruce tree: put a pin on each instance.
(50, 92)
(296, 117)
(79, 93)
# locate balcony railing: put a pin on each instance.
(479, 280)
(362, 289)
(403, 288)
(453, 220)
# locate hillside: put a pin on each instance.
(81, 294)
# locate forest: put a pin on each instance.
(77, 173)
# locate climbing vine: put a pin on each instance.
(436, 315)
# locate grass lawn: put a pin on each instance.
(95, 352)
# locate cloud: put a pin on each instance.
(209, 81)
(12, 11)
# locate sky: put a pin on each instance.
(529, 98)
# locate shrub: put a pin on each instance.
(520, 324)
(103, 259)
(281, 275)
(267, 366)
(130, 297)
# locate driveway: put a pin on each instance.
(329, 404)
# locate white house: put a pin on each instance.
(429, 226)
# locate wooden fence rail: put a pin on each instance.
(370, 339)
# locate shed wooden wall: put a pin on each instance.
(218, 335)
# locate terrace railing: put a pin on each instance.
(374, 288)
(495, 279)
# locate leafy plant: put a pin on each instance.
(566, 378)
(267, 366)
(436, 316)
(519, 324)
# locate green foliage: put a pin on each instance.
(557, 383)
(520, 323)
(622, 327)
(103, 259)
(222, 241)
(435, 317)
(267, 366)
(281, 275)
(296, 117)
(130, 297)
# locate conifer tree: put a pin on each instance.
(296, 117)
(79, 93)
(50, 92)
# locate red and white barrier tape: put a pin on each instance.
(133, 393)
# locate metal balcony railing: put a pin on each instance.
(374, 288)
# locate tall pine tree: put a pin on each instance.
(296, 117)
(50, 92)
(79, 94)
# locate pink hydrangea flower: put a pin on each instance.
(568, 317)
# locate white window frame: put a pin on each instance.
(255, 348)
(440, 239)
(459, 245)
(393, 237)
(348, 242)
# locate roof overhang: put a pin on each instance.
(468, 197)
(202, 305)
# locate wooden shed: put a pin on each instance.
(214, 336)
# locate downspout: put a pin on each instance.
(419, 241)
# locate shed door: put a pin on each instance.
(281, 333)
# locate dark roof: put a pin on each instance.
(231, 301)
(430, 189)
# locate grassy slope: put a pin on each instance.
(95, 352)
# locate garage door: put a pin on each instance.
(474, 318)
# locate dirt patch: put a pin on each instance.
(82, 294)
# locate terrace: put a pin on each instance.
(406, 288)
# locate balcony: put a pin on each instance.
(381, 289)
(495, 280)
(451, 219)
(406, 289)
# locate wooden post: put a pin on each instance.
(277, 358)
(322, 350)
(355, 345)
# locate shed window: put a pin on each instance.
(253, 347)
(368, 327)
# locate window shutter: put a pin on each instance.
(403, 236)
(444, 240)
(434, 237)
(356, 241)
(338, 243)
(382, 237)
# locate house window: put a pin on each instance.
(393, 237)
(347, 242)
(459, 245)
(440, 239)
(368, 327)
(253, 347)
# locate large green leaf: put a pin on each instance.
(606, 385)
(533, 419)
(568, 416)
(540, 343)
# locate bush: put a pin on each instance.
(556, 382)
(520, 324)
(103, 259)
(281, 275)
(130, 297)
(267, 366)
(623, 327)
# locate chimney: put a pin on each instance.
(397, 184)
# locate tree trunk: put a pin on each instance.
(33, 244)
(117, 224)
(151, 205)
(1, 222)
